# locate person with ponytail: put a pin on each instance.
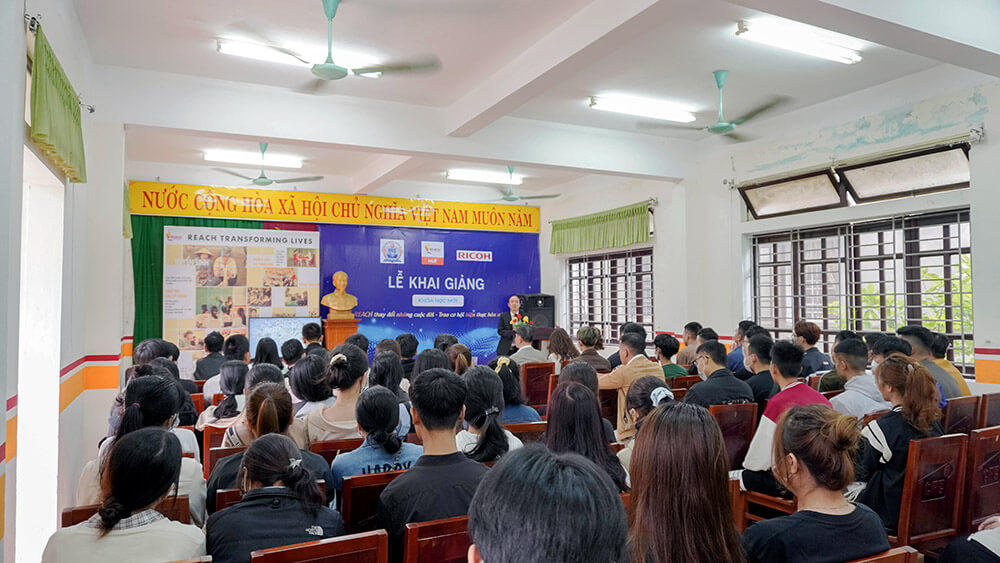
(574, 425)
(143, 468)
(644, 395)
(915, 414)
(484, 439)
(238, 434)
(378, 416)
(281, 504)
(814, 449)
(150, 401)
(309, 386)
(232, 377)
(460, 357)
(387, 371)
(346, 369)
(514, 409)
(268, 411)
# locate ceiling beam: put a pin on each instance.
(590, 34)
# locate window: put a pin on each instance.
(871, 276)
(608, 290)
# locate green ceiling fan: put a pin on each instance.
(507, 194)
(723, 127)
(263, 180)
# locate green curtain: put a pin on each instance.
(55, 113)
(606, 229)
(147, 266)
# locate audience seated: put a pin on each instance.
(269, 411)
(309, 385)
(208, 366)
(720, 386)
(615, 359)
(291, 352)
(666, 348)
(526, 353)
(429, 359)
(833, 380)
(561, 348)
(459, 357)
(644, 395)
(861, 395)
(235, 349)
(786, 363)
(574, 425)
(484, 440)
(444, 340)
(232, 376)
(882, 461)
(585, 375)
(514, 409)
(807, 334)
(679, 477)
(387, 370)
(734, 360)
(143, 353)
(238, 433)
(814, 458)
(267, 353)
(886, 346)
(359, 340)
(590, 339)
(188, 413)
(281, 505)
(150, 401)
(142, 468)
(407, 351)
(187, 385)
(345, 371)
(706, 334)
(757, 359)
(939, 352)
(921, 340)
(634, 365)
(521, 508)
(388, 345)
(378, 416)
(983, 545)
(312, 338)
(685, 358)
(441, 483)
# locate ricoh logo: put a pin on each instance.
(474, 255)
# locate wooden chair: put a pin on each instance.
(684, 381)
(553, 382)
(738, 504)
(989, 411)
(369, 547)
(961, 415)
(527, 432)
(200, 384)
(176, 508)
(932, 490)
(359, 502)
(982, 478)
(609, 404)
(199, 402)
(414, 438)
(535, 382)
(202, 559)
(813, 381)
(738, 424)
(626, 501)
(438, 541)
(616, 447)
(831, 394)
(217, 398)
(211, 438)
(871, 416)
(215, 454)
(679, 394)
(227, 497)
(903, 554)
(330, 448)
(750, 498)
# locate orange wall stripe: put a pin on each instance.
(11, 446)
(988, 371)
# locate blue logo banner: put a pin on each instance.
(429, 281)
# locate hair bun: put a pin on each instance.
(843, 432)
(338, 359)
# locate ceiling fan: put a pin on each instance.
(509, 195)
(723, 127)
(263, 180)
(329, 70)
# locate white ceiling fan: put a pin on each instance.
(263, 180)
(509, 195)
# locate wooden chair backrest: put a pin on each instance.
(831, 394)
(902, 554)
(200, 384)
(176, 508)
(228, 497)
(932, 490)
(369, 547)
(535, 381)
(738, 424)
(684, 381)
(982, 478)
(813, 381)
(872, 416)
(202, 559)
(438, 541)
(616, 447)
(199, 402)
(961, 415)
(527, 432)
(360, 499)
(679, 394)
(330, 448)
(553, 382)
(414, 438)
(609, 404)
(989, 410)
(217, 398)
(211, 437)
(565, 363)
(215, 454)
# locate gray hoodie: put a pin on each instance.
(860, 397)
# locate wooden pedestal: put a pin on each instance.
(336, 331)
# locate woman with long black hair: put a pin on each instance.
(232, 377)
(267, 353)
(484, 440)
(574, 425)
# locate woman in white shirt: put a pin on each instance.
(143, 468)
(232, 376)
(485, 440)
(346, 370)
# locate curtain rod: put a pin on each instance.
(652, 201)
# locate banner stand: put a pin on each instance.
(336, 331)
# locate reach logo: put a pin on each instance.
(474, 255)
(391, 251)
(432, 253)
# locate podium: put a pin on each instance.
(336, 331)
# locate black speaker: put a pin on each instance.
(540, 308)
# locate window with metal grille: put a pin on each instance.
(871, 276)
(608, 290)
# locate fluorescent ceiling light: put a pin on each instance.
(260, 52)
(484, 176)
(800, 38)
(643, 107)
(253, 158)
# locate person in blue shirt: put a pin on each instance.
(734, 360)
(514, 410)
(807, 334)
(377, 413)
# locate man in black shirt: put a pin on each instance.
(209, 365)
(442, 482)
(312, 337)
(615, 359)
(757, 356)
(720, 387)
